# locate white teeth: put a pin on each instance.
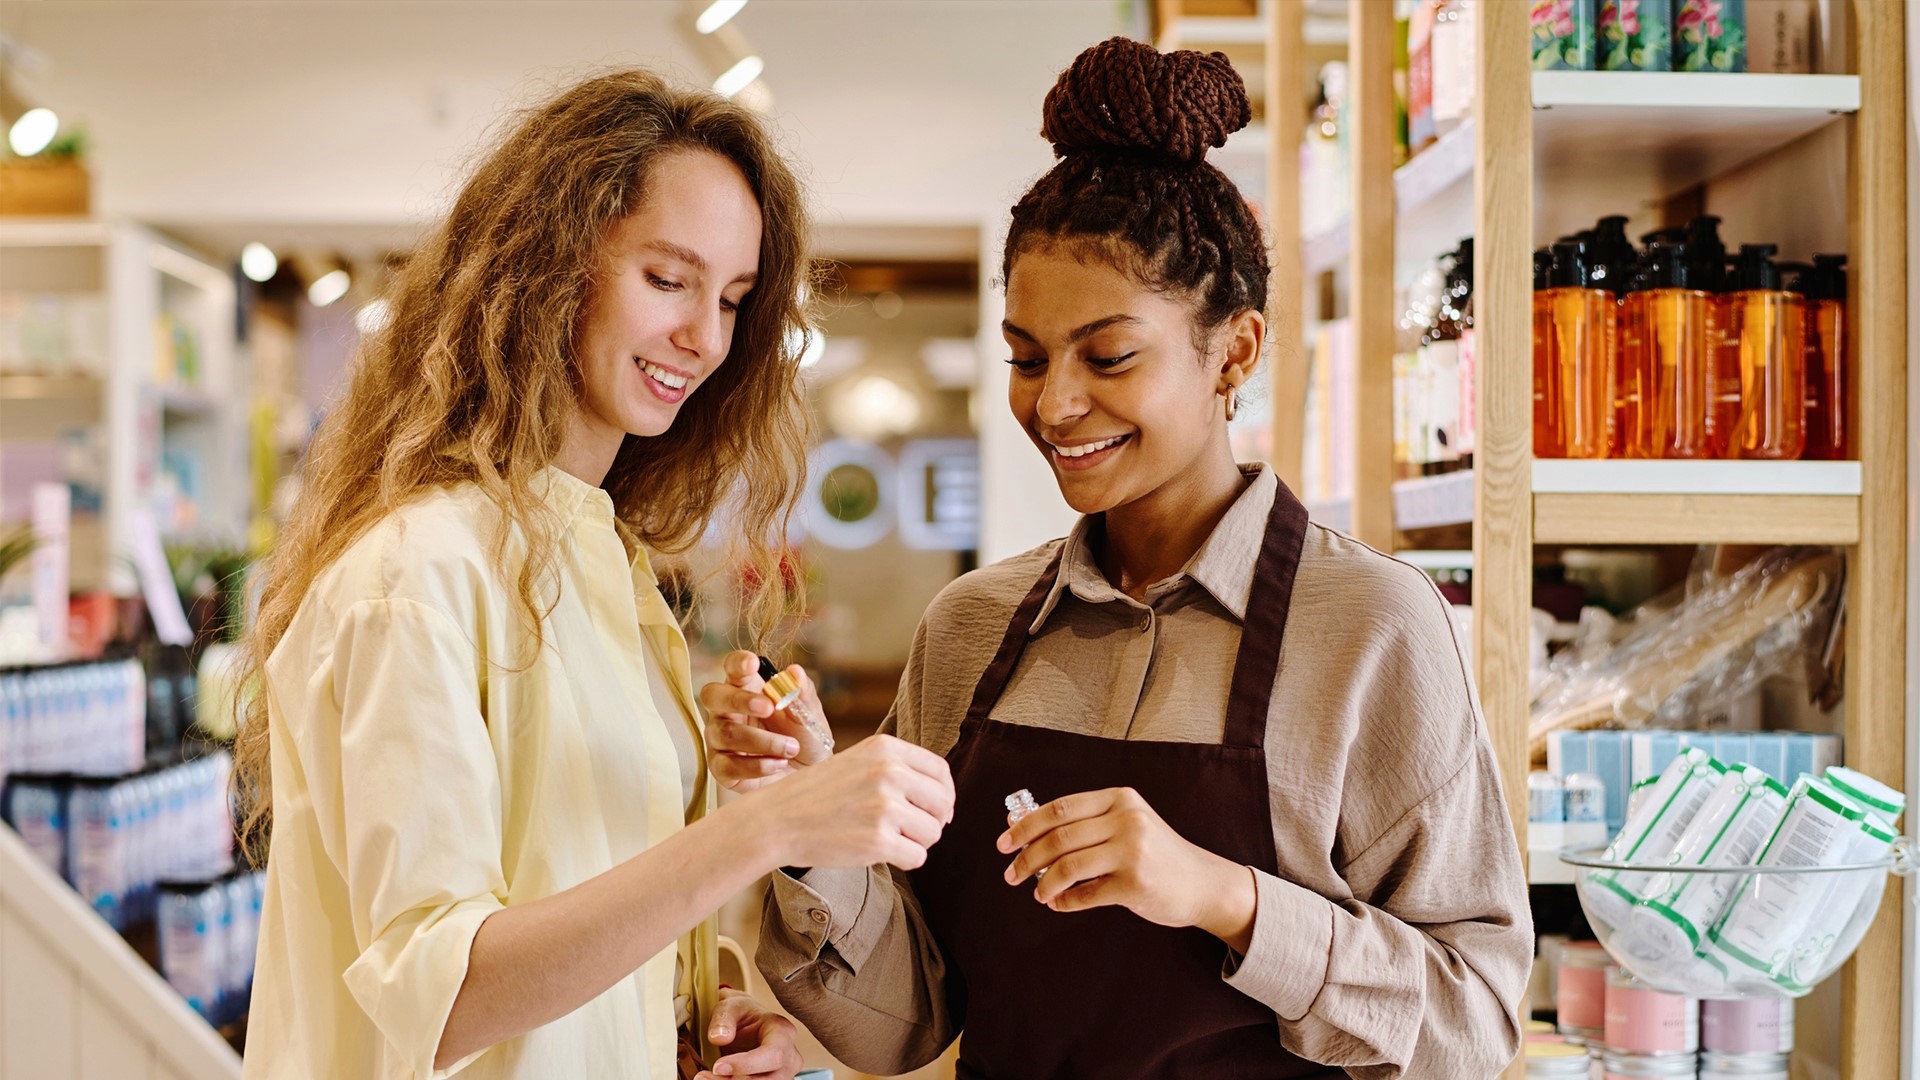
(1087, 448)
(664, 377)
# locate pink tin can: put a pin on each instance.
(1582, 994)
(1759, 1026)
(1643, 1021)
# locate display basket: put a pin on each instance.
(1732, 931)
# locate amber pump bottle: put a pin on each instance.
(1766, 343)
(1578, 356)
(1668, 362)
(1830, 404)
(1545, 389)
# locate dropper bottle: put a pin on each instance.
(1578, 356)
(1829, 360)
(1766, 337)
(1679, 326)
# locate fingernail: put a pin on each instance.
(723, 1069)
(1004, 843)
(1011, 880)
(722, 1031)
(791, 747)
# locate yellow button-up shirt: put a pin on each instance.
(430, 767)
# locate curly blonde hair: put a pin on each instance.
(473, 378)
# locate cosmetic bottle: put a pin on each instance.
(1830, 404)
(1670, 360)
(1580, 321)
(1546, 386)
(1766, 340)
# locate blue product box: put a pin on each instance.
(1612, 764)
(1652, 750)
(1733, 748)
(1569, 752)
(1769, 754)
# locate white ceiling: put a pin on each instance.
(353, 118)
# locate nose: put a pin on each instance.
(703, 332)
(1062, 396)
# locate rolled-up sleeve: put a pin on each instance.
(415, 822)
(1422, 974)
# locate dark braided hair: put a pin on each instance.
(1132, 127)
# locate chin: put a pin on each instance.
(1087, 497)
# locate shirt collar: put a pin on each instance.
(1224, 566)
(570, 497)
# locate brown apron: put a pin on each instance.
(1105, 993)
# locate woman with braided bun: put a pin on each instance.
(1272, 840)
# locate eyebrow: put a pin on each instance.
(1079, 333)
(692, 258)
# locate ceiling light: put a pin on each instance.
(329, 287)
(736, 78)
(258, 262)
(36, 128)
(717, 14)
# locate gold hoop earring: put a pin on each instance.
(1233, 401)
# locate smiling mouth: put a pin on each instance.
(1084, 449)
(668, 379)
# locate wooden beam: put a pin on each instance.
(1371, 116)
(1286, 296)
(1503, 392)
(1695, 519)
(1877, 591)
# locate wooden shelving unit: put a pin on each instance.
(1545, 153)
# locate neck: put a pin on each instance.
(587, 449)
(1151, 538)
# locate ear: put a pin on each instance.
(1245, 333)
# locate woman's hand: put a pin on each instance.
(884, 800)
(762, 1041)
(749, 743)
(1108, 848)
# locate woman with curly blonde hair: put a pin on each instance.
(491, 849)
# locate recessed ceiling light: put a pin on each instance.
(735, 79)
(258, 262)
(35, 130)
(329, 287)
(717, 14)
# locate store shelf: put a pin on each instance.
(186, 401)
(1433, 501)
(1552, 476)
(1611, 141)
(43, 407)
(53, 232)
(1434, 559)
(1695, 519)
(1433, 208)
(43, 388)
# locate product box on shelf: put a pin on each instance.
(1623, 759)
(1636, 35)
(1564, 34)
(1780, 35)
(1709, 35)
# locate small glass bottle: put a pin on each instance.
(1829, 360)
(1766, 341)
(1579, 356)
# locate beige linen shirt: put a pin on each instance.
(430, 768)
(1396, 939)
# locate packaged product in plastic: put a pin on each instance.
(1654, 826)
(1728, 831)
(1770, 914)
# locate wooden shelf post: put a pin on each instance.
(1370, 52)
(1286, 298)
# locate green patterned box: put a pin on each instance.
(1636, 35)
(1709, 35)
(1563, 35)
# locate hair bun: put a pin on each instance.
(1125, 96)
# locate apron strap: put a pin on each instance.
(1261, 633)
(994, 680)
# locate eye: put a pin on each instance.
(664, 284)
(1106, 362)
(1025, 367)
(729, 306)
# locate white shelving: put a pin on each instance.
(1433, 209)
(145, 420)
(1429, 502)
(1610, 141)
(1696, 477)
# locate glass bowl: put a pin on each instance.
(1731, 931)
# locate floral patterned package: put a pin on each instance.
(1563, 35)
(1636, 35)
(1709, 35)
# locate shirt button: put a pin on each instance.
(1146, 622)
(818, 916)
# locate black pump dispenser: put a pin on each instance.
(1829, 278)
(1611, 254)
(1542, 269)
(1755, 269)
(1709, 253)
(1570, 266)
(1670, 266)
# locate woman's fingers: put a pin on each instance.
(726, 699)
(1059, 812)
(1043, 853)
(1074, 874)
(732, 736)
